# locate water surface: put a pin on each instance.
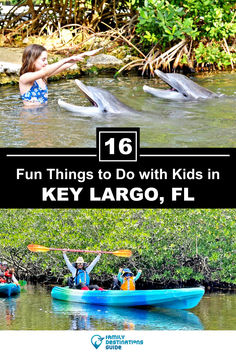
(34, 309)
(163, 123)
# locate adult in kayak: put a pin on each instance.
(2, 277)
(80, 273)
(3, 266)
(127, 279)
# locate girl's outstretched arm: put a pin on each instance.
(138, 275)
(80, 58)
(119, 276)
(54, 68)
(47, 71)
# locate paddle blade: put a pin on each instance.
(122, 253)
(38, 248)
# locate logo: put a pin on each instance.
(96, 341)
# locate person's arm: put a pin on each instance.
(57, 67)
(80, 57)
(92, 265)
(138, 275)
(69, 265)
(14, 279)
(62, 68)
(46, 71)
(119, 276)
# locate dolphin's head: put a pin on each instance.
(184, 86)
(92, 94)
(175, 81)
(102, 99)
(103, 102)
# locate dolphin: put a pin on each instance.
(182, 88)
(103, 102)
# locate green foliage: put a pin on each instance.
(168, 245)
(215, 19)
(213, 54)
(161, 21)
(164, 23)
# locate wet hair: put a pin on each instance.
(30, 54)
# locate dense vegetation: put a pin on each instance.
(172, 247)
(205, 26)
(169, 34)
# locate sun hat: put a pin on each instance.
(127, 271)
(79, 260)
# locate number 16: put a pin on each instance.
(125, 147)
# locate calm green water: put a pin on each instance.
(34, 309)
(209, 123)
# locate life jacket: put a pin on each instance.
(128, 284)
(81, 277)
(8, 277)
(2, 280)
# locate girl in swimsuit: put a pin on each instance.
(35, 70)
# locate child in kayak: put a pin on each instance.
(80, 273)
(7, 275)
(10, 276)
(127, 279)
(35, 70)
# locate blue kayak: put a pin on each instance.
(185, 298)
(9, 289)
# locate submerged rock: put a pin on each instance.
(104, 61)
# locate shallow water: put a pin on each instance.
(34, 309)
(163, 123)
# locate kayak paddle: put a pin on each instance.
(38, 248)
